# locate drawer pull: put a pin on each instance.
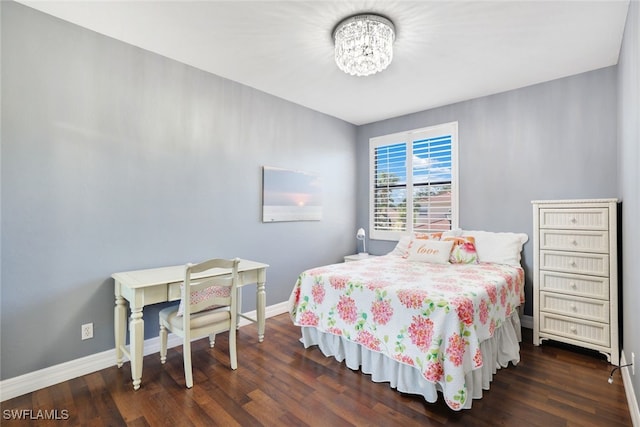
(573, 264)
(574, 220)
(573, 329)
(574, 242)
(573, 285)
(573, 307)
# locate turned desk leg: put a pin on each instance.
(136, 328)
(261, 304)
(120, 320)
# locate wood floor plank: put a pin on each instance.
(280, 383)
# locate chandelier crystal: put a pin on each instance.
(364, 44)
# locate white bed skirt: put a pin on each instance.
(497, 352)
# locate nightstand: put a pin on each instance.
(357, 257)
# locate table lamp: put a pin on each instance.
(361, 236)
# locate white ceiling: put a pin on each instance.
(445, 51)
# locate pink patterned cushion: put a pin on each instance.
(198, 296)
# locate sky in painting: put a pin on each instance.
(283, 187)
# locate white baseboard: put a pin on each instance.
(27, 383)
(631, 395)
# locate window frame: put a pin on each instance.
(407, 138)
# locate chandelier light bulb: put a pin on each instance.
(364, 44)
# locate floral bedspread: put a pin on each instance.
(430, 316)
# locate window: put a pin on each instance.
(414, 182)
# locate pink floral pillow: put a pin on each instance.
(463, 250)
(206, 293)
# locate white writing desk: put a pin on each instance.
(152, 286)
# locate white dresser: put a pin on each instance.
(575, 277)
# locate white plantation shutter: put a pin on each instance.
(390, 163)
(413, 182)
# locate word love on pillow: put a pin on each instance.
(434, 251)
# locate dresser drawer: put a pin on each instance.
(575, 240)
(575, 284)
(569, 305)
(575, 262)
(577, 329)
(575, 218)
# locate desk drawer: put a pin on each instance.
(575, 284)
(577, 329)
(151, 295)
(569, 305)
(575, 262)
(575, 218)
(575, 240)
(174, 291)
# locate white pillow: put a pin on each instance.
(452, 233)
(402, 247)
(431, 250)
(501, 248)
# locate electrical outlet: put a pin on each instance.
(87, 331)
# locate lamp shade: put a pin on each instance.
(361, 235)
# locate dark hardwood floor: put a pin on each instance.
(278, 382)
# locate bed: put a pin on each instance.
(438, 314)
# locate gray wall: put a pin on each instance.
(555, 140)
(629, 184)
(114, 158)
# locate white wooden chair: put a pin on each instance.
(208, 306)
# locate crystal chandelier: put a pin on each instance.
(364, 44)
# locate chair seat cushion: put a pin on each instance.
(198, 320)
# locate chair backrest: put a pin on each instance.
(204, 293)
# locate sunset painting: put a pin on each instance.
(290, 196)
